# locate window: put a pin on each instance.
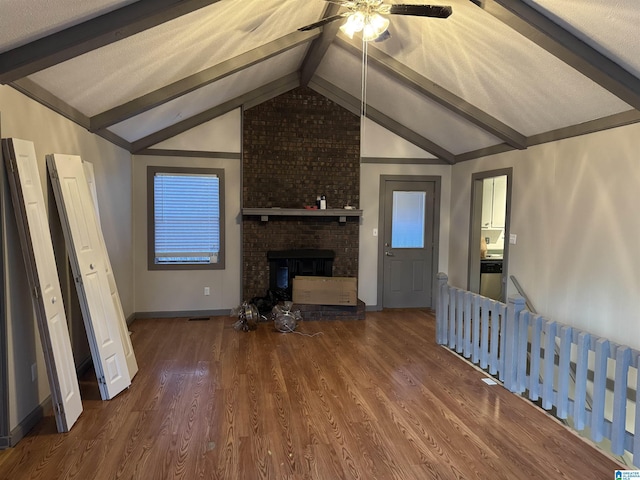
(408, 221)
(186, 218)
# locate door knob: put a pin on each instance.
(388, 254)
(91, 266)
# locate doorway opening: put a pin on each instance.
(409, 226)
(489, 233)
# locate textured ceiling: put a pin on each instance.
(404, 105)
(154, 58)
(611, 27)
(208, 97)
(496, 75)
(23, 21)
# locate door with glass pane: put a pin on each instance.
(409, 235)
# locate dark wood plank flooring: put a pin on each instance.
(371, 399)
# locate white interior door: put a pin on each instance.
(37, 248)
(80, 226)
(132, 364)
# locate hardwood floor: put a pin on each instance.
(372, 399)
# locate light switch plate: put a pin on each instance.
(512, 238)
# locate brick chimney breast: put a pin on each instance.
(295, 147)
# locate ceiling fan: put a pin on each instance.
(366, 16)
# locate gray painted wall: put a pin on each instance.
(182, 291)
(575, 214)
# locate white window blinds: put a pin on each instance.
(187, 218)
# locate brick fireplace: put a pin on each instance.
(295, 147)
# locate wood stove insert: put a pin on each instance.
(284, 265)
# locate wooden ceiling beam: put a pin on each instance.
(91, 35)
(354, 105)
(422, 85)
(44, 97)
(255, 97)
(319, 46)
(567, 47)
(611, 121)
(199, 80)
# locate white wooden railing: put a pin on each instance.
(519, 348)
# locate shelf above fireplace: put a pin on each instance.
(264, 213)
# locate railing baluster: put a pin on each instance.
(441, 308)
(564, 366)
(623, 361)
(495, 331)
(509, 341)
(445, 314)
(549, 364)
(501, 341)
(521, 351)
(534, 370)
(582, 365)
(476, 329)
(467, 324)
(599, 390)
(459, 320)
(452, 317)
(484, 344)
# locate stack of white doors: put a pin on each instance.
(111, 349)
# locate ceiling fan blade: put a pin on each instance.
(435, 11)
(322, 22)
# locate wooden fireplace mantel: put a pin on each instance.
(264, 213)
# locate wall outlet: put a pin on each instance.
(513, 238)
(207, 291)
(34, 372)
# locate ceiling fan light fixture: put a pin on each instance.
(375, 26)
(355, 23)
(371, 25)
(369, 15)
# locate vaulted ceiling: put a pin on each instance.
(496, 75)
